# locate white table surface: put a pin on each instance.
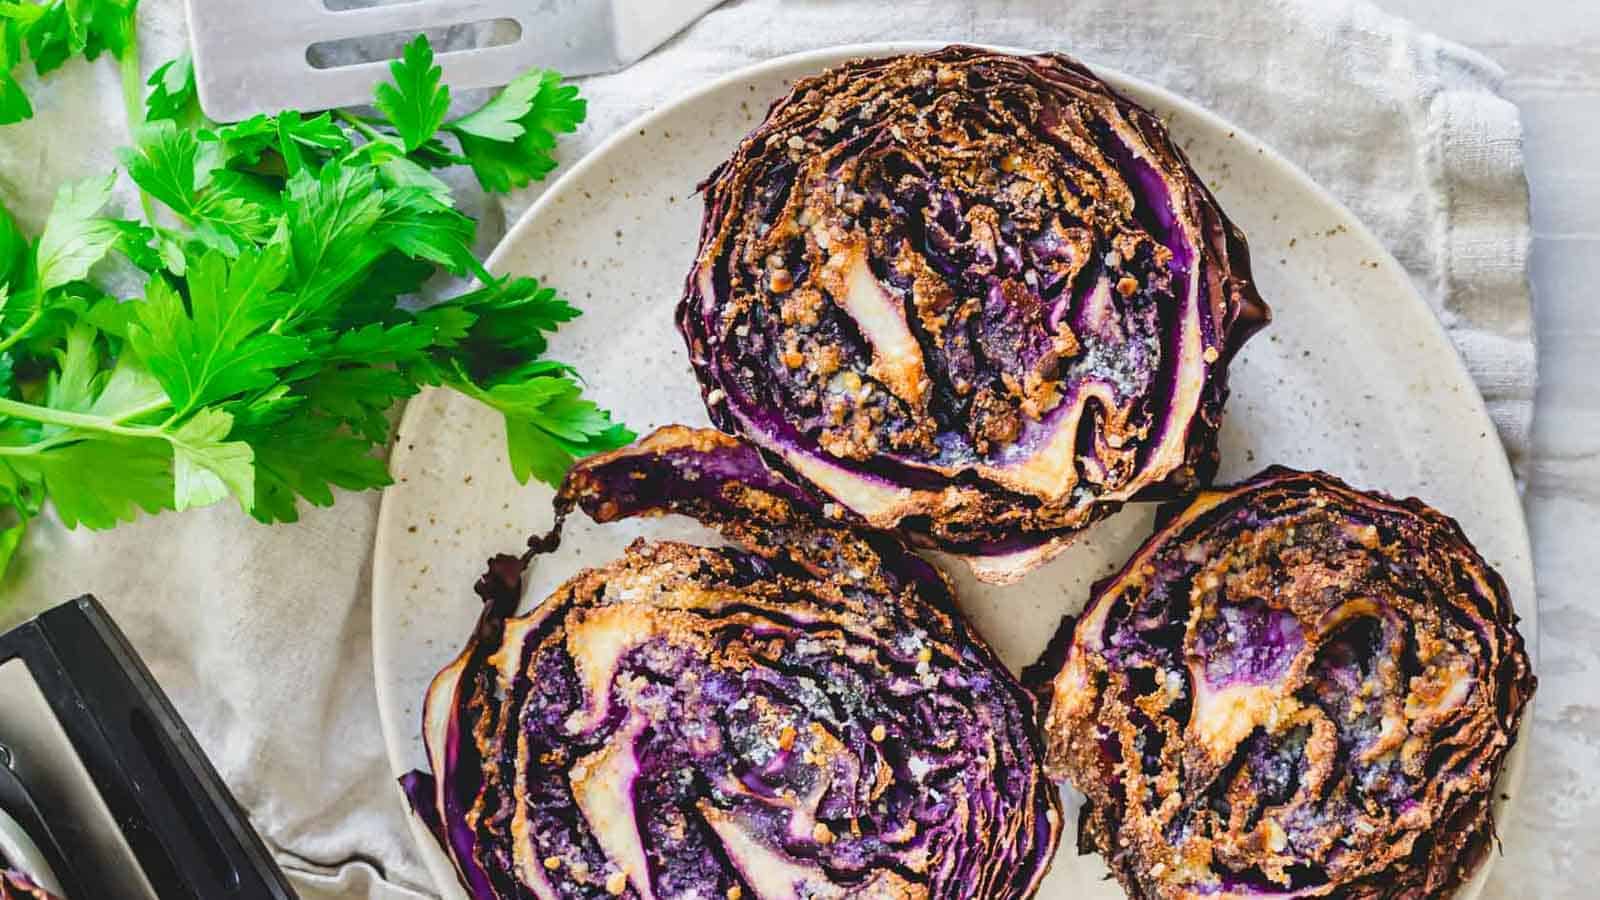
(1551, 52)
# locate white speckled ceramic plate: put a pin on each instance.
(1354, 376)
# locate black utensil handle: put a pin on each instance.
(184, 826)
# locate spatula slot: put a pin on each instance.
(445, 39)
(342, 5)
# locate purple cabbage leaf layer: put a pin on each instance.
(17, 886)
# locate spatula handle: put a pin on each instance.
(251, 56)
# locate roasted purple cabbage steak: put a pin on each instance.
(978, 297)
(799, 714)
(1293, 689)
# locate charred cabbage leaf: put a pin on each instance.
(980, 297)
(17, 886)
(800, 714)
(1294, 688)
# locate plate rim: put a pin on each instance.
(395, 739)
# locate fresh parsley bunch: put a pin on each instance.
(53, 32)
(271, 342)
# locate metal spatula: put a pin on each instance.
(255, 56)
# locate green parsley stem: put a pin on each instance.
(83, 421)
(140, 411)
(356, 122)
(23, 329)
(133, 100)
(37, 448)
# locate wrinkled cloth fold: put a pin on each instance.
(262, 635)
